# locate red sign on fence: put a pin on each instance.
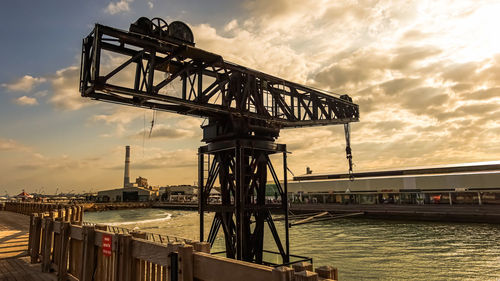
(106, 245)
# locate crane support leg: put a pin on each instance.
(242, 166)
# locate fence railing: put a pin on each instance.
(71, 213)
(83, 252)
(155, 237)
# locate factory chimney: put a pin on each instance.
(126, 178)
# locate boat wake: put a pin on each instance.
(168, 217)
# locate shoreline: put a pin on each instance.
(98, 207)
(439, 213)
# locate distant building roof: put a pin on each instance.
(24, 194)
(442, 169)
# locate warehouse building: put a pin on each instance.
(472, 183)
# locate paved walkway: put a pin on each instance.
(13, 235)
(20, 269)
(14, 261)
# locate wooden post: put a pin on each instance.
(186, 263)
(114, 263)
(101, 227)
(139, 234)
(88, 253)
(282, 273)
(47, 236)
(35, 241)
(306, 276)
(31, 233)
(327, 272)
(138, 266)
(202, 247)
(125, 257)
(57, 244)
(80, 214)
(302, 266)
(67, 218)
(73, 214)
(63, 261)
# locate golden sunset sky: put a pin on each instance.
(426, 75)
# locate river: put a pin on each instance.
(362, 249)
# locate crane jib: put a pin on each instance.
(171, 76)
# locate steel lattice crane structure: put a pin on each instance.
(245, 108)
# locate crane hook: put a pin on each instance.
(348, 152)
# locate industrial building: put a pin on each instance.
(471, 183)
(130, 192)
(179, 193)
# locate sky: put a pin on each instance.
(426, 75)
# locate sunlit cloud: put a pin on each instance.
(118, 7)
(164, 132)
(12, 145)
(24, 84)
(24, 100)
(65, 89)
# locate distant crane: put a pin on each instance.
(245, 108)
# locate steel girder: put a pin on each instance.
(208, 85)
(242, 167)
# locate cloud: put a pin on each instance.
(118, 7)
(150, 5)
(12, 145)
(483, 94)
(164, 132)
(406, 56)
(120, 117)
(24, 84)
(58, 163)
(428, 91)
(66, 94)
(254, 50)
(158, 159)
(24, 100)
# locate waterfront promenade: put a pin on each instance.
(14, 260)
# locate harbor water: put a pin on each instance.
(362, 249)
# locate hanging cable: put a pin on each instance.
(143, 132)
(348, 152)
(152, 122)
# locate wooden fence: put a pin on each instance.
(103, 253)
(71, 213)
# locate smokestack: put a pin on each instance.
(126, 178)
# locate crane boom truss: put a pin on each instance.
(210, 86)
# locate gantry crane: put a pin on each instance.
(245, 108)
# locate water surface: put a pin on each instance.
(362, 249)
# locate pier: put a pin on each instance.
(14, 260)
(62, 247)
